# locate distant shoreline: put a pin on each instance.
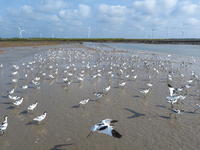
(17, 42)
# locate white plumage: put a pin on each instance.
(41, 117)
(105, 127)
(4, 125)
(32, 106)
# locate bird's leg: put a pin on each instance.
(89, 135)
(195, 110)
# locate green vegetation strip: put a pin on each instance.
(105, 40)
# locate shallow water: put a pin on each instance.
(174, 49)
(144, 120)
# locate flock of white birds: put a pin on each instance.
(69, 66)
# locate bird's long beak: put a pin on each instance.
(89, 135)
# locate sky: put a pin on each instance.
(135, 19)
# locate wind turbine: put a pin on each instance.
(20, 32)
(89, 31)
(40, 35)
(182, 33)
(167, 34)
(152, 32)
(52, 36)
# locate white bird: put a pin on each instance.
(18, 102)
(107, 88)
(24, 87)
(182, 97)
(83, 102)
(41, 117)
(105, 127)
(176, 111)
(134, 77)
(172, 101)
(4, 125)
(11, 91)
(14, 80)
(13, 97)
(94, 76)
(149, 84)
(68, 82)
(14, 73)
(145, 91)
(171, 90)
(32, 106)
(51, 76)
(35, 82)
(65, 79)
(122, 84)
(80, 79)
(190, 81)
(36, 78)
(98, 95)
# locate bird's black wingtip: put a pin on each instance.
(113, 121)
(169, 85)
(116, 134)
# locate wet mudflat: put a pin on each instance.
(143, 119)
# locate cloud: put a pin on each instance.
(82, 12)
(112, 11)
(146, 7)
(154, 7)
(192, 22)
(186, 8)
(27, 9)
(47, 6)
(112, 15)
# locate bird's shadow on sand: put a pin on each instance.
(161, 106)
(33, 122)
(136, 96)
(116, 87)
(3, 96)
(136, 114)
(23, 112)
(11, 107)
(164, 117)
(58, 147)
(6, 103)
(75, 106)
(191, 112)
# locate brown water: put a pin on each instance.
(144, 121)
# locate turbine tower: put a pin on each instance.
(89, 31)
(52, 35)
(182, 33)
(152, 32)
(20, 32)
(167, 34)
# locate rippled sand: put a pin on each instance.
(144, 120)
